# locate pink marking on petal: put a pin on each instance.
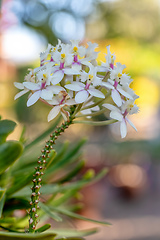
(115, 84)
(61, 65)
(125, 113)
(75, 58)
(43, 85)
(87, 86)
(112, 65)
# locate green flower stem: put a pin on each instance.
(39, 171)
(98, 123)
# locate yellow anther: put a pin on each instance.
(45, 75)
(131, 106)
(48, 56)
(63, 55)
(90, 76)
(111, 56)
(75, 49)
(119, 75)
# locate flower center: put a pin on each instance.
(63, 55)
(75, 49)
(119, 75)
(64, 95)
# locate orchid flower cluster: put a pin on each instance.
(69, 75)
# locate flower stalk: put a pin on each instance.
(39, 171)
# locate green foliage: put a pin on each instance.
(62, 181)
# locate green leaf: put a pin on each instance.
(2, 191)
(46, 209)
(70, 238)
(6, 127)
(9, 152)
(72, 173)
(73, 232)
(2, 201)
(52, 155)
(72, 155)
(25, 236)
(43, 228)
(56, 188)
(7, 220)
(19, 184)
(75, 215)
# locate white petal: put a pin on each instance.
(31, 86)
(116, 115)
(110, 107)
(70, 102)
(116, 97)
(53, 113)
(20, 94)
(81, 96)
(34, 98)
(96, 93)
(54, 101)
(107, 85)
(77, 86)
(57, 77)
(123, 129)
(71, 71)
(55, 89)
(132, 125)
(46, 94)
(18, 85)
(124, 93)
(77, 66)
(64, 116)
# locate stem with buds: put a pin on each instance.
(39, 171)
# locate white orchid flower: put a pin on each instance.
(21, 87)
(59, 102)
(121, 115)
(40, 90)
(109, 64)
(84, 90)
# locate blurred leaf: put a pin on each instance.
(56, 188)
(70, 238)
(43, 228)
(20, 183)
(25, 236)
(2, 201)
(72, 232)
(73, 173)
(22, 138)
(52, 155)
(75, 215)
(7, 220)
(61, 152)
(9, 152)
(67, 195)
(43, 135)
(47, 210)
(2, 191)
(73, 154)
(6, 127)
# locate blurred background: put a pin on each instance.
(129, 196)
